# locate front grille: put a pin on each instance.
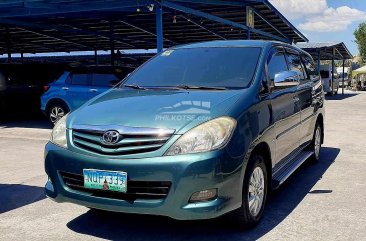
(132, 142)
(135, 189)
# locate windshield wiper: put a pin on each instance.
(194, 87)
(136, 87)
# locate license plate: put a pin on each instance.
(105, 180)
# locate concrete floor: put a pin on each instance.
(324, 201)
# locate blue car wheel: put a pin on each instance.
(56, 111)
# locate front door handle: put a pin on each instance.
(93, 90)
(65, 88)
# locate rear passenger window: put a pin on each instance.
(106, 80)
(295, 64)
(80, 79)
(276, 63)
(311, 69)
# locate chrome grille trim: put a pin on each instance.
(135, 140)
(124, 130)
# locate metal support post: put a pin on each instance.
(159, 28)
(343, 77)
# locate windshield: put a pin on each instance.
(232, 67)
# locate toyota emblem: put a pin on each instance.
(110, 137)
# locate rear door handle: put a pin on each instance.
(65, 88)
(93, 90)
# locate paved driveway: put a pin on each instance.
(325, 201)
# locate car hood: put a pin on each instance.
(165, 109)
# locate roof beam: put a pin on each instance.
(336, 49)
(36, 8)
(220, 20)
(70, 29)
(40, 46)
(220, 2)
(30, 27)
(142, 29)
(203, 27)
(270, 24)
(78, 30)
(270, 6)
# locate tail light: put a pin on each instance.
(45, 88)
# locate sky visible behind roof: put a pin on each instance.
(325, 20)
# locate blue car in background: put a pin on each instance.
(73, 88)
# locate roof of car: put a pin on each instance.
(230, 43)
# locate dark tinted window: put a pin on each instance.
(276, 63)
(295, 64)
(2, 81)
(310, 66)
(324, 73)
(107, 80)
(210, 67)
(80, 79)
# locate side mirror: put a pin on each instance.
(286, 79)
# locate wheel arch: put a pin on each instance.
(263, 149)
(56, 101)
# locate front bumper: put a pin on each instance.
(187, 174)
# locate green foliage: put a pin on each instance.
(360, 35)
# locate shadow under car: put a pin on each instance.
(118, 226)
(13, 196)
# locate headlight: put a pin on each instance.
(208, 136)
(58, 135)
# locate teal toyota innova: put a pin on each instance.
(199, 131)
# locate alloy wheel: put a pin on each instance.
(256, 191)
(56, 114)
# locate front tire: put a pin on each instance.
(56, 111)
(254, 194)
(316, 143)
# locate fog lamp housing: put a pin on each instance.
(204, 195)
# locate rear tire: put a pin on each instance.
(56, 111)
(254, 193)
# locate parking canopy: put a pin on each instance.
(326, 51)
(37, 26)
(358, 71)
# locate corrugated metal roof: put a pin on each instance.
(37, 26)
(326, 50)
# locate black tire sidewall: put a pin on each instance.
(256, 161)
(242, 216)
(315, 158)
